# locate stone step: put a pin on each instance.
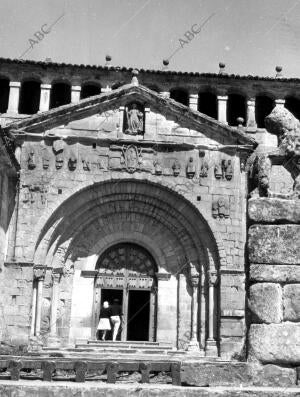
(113, 346)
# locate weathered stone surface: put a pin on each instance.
(274, 244)
(291, 302)
(275, 273)
(265, 303)
(275, 343)
(215, 374)
(273, 210)
(273, 375)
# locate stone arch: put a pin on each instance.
(207, 102)
(4, 93)
(154, 216)
(60, 93)
(90, 88)
(180, 95)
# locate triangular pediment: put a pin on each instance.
(103, 116)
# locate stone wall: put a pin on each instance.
(274, 281)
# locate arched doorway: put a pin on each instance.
(127, 272)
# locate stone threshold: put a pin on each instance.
(91, 389)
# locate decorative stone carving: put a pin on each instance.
(86, 165)
(212, 278)
(31, 159)
(220, 208)
(176, 168)
(259, 173)
(157, 167)
(39, 272)
(27, 194)
(204, 170)
(134, 120)
(190, 168)
(58, 148)
(132, 157)
(43, 193)
(218, 171)
(45, 158)
(224, 170)
(72, 163)
(229, 170)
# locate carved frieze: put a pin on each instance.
(190, 168)
(204, 169)
(224, 170)
(220, 208)
(132, 157)
(72, 163)
(58, 149)
(45, 158)
(176, 167)
(31, 159)
(32, 193)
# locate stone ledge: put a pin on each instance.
(270, 210)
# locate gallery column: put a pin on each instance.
(14, 97)
(211, 344)
(194, 279)
(56, 276)
(251, 122)
(222, 108)
(39, 276)
(45, 97)
(75, 93)
(193, 101)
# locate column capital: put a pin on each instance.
(222, 97)
(280, 102)
(251, 101)
(57, 272)
(15, 84)
(106, 89)
(46, 86)
(76, 88)
(213, 278)
(162, 276)
(39, 272)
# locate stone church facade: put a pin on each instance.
(191, 222)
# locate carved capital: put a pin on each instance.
(57, 272)
(194, 275)
(163, 276)
(213, 278)
(39, 272)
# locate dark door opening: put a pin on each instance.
(138, 315)
(109, 295)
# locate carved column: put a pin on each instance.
(33, 308)
(211, 344)
(39, 276)
(251, 121)
(56, 275)
(14, 97)
(45, 97)
(222, 108)
(193, 101)
(75, 93)
(194, 278)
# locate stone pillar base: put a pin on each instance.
(211, 348)
(53, 341)
(34, 344)
(193, 347)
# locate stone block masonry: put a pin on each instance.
(274, 281)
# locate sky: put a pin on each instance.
(249, 36)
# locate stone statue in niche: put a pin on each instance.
(58, 148)
(204, 170)
(220, 208)
(43, 192)
(72, 163)
(134, 120)
(176, 168)
(157, 167)
(190, 168)
(27, 194)
(45, 158)
(31, 159)
(224, 170)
